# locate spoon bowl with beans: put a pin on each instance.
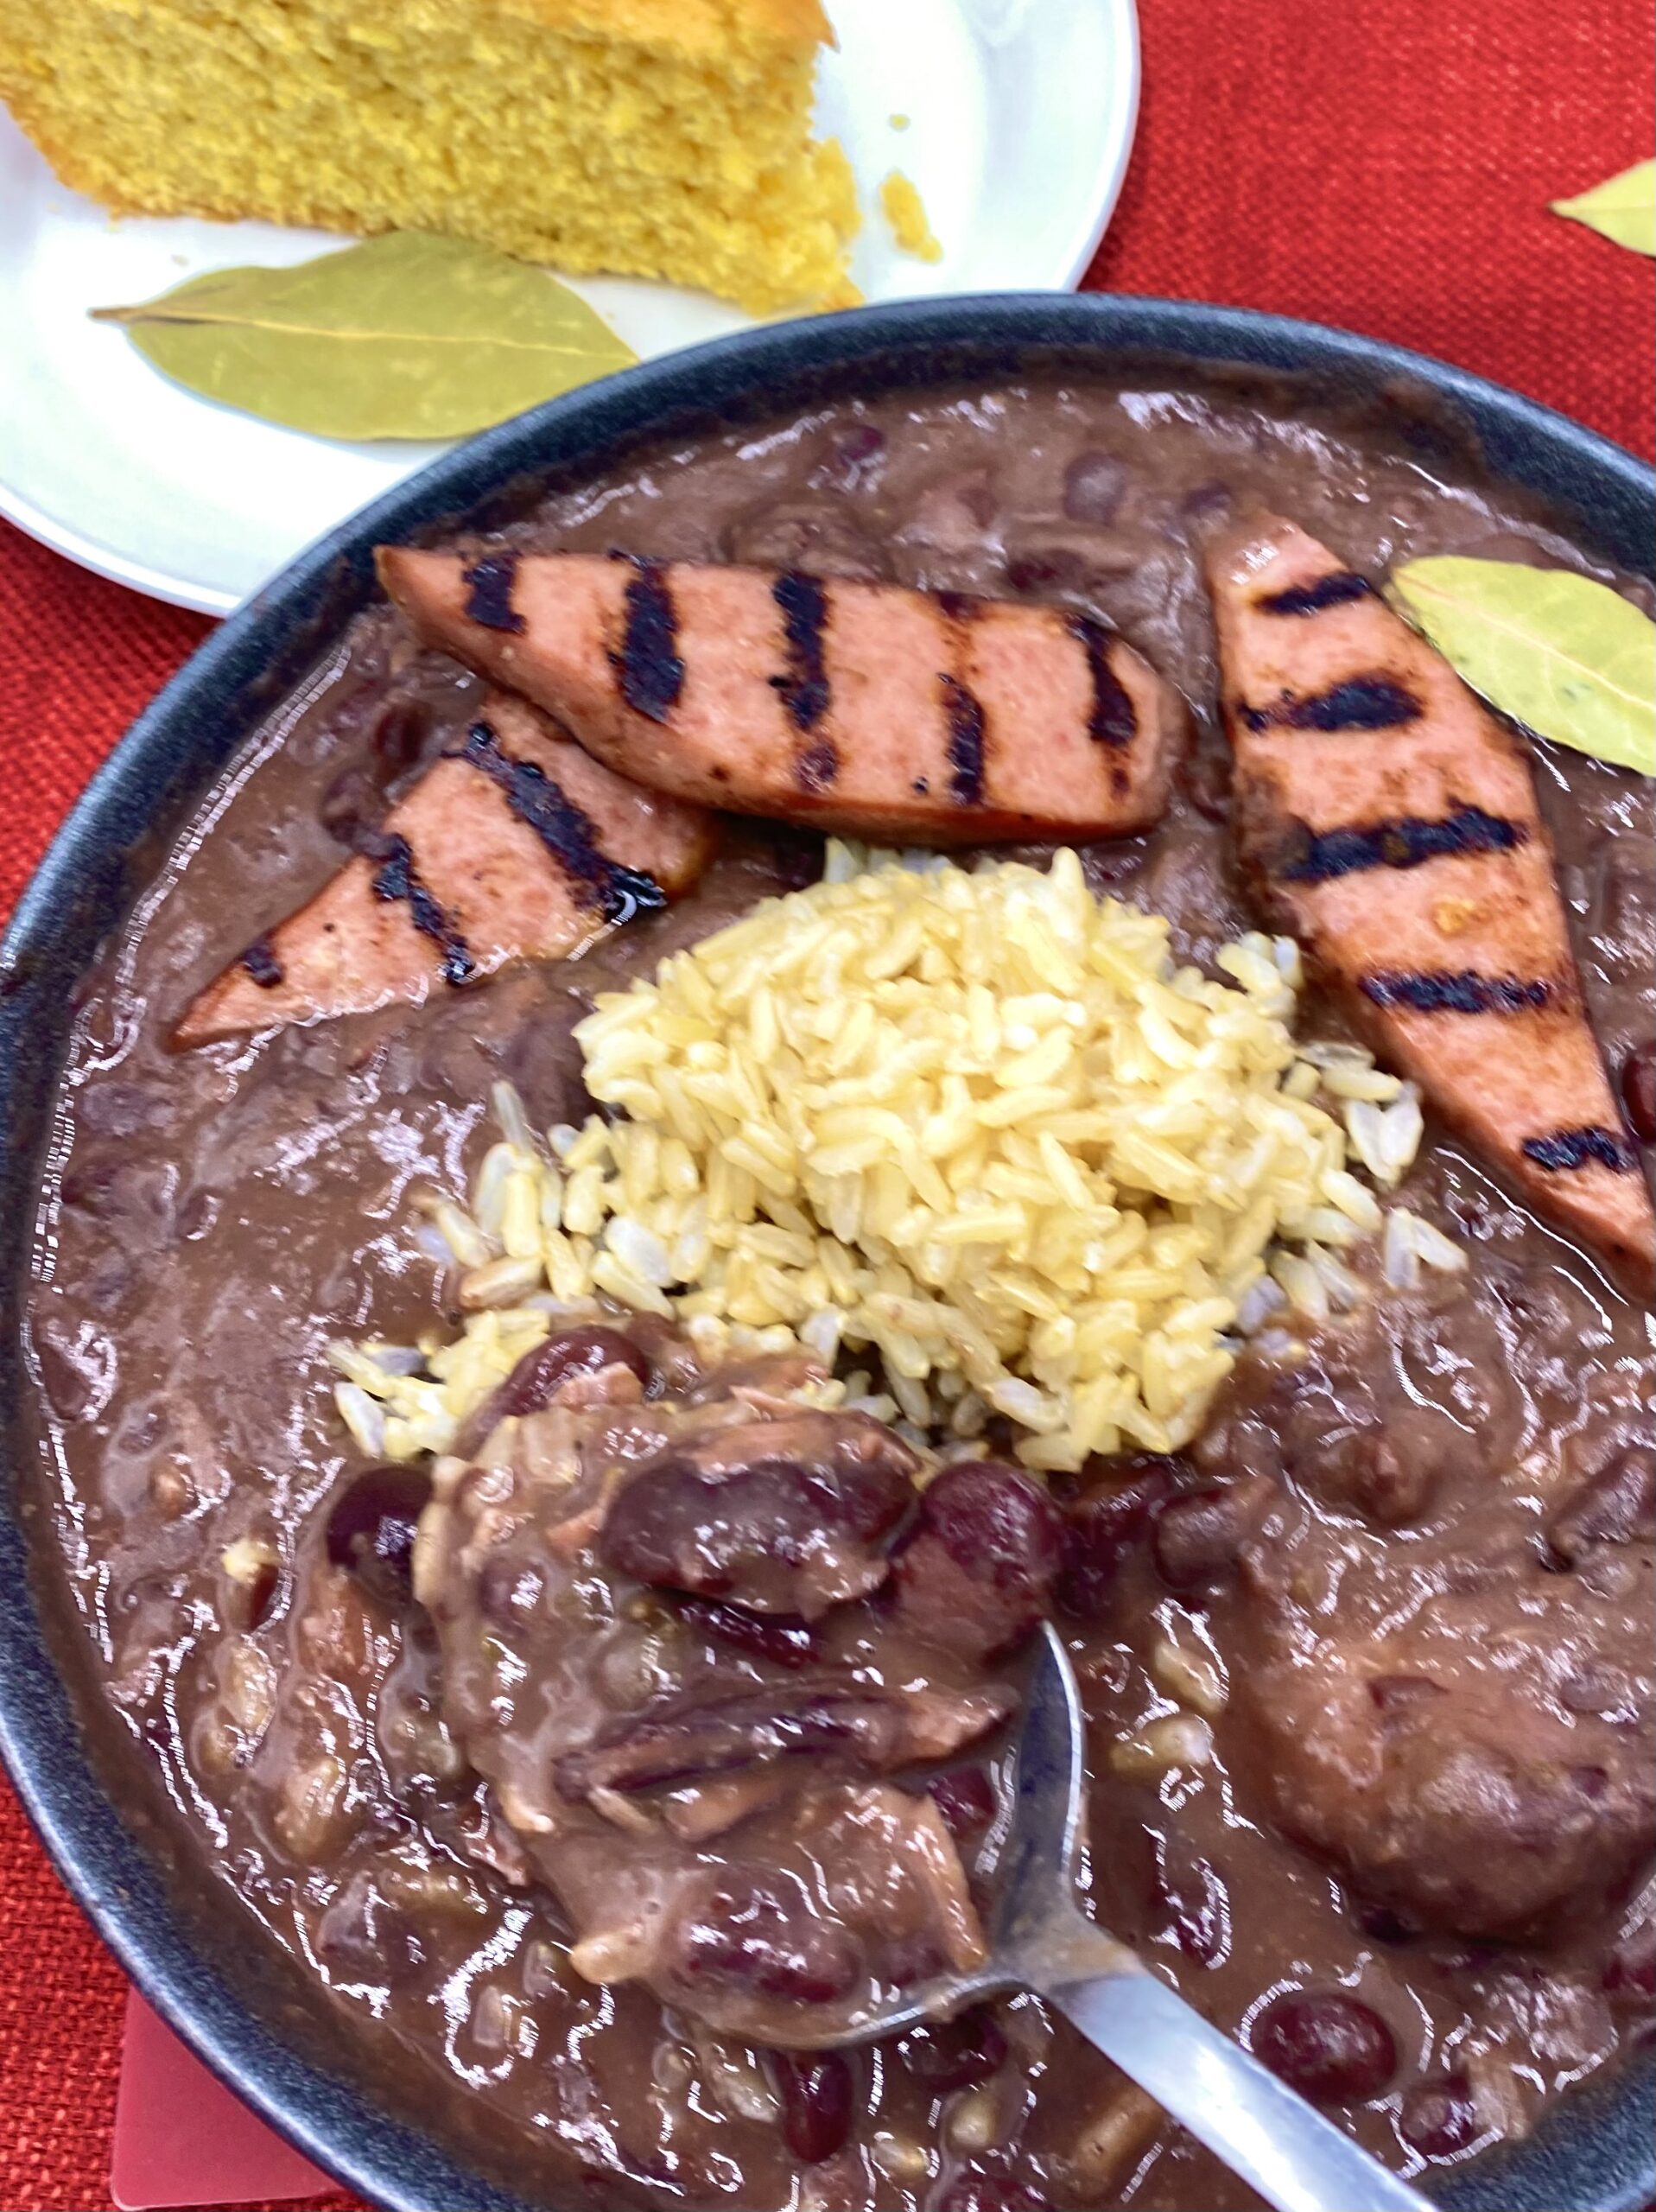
(1042, 1940)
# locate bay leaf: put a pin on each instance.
(1566, 656)
(411, 335)
(1623, 208)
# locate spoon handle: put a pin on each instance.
(1296, 2160)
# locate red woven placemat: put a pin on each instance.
(1384, 164)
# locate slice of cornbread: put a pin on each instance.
(667, 138)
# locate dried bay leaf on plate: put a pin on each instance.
(1623, 208)
(1567, 656)
(408, 336)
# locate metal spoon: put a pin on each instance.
(1296, 2160)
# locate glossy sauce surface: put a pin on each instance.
(218, 1217)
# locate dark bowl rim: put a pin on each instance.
(1599, 2141)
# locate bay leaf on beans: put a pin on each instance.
(1623, 208)
(411, 335)
(1567, 656)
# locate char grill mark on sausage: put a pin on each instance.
(1336, 590)
(489, 587)
(966, 746)
(1566, 1148)
(805, 687)
(803, 606)
(1462, 991)
(397, 877)
(1361, 702)
(261, 964)
(1110, 719)
(965, 741)
(1320, 857)
(616, 892)
(648, 663)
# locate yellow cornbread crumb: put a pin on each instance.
(906, 214)
(666, 138)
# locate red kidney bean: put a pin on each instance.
(948, 2055)
(371, 1529)
(977, 1573)
(750, 1533)
(1103, 1526)
(1638, 1091)
(1611, 1506)
(1197, 1536)
(965, 1798)
(817, 2095)
(753, 1936)
(1439, 2118)
(780, 1637)
(543, 1372)
(1332, 2048)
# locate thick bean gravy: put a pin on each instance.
(1415, 1893)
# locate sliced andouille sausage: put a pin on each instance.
(923, 717)
(513, 845)
(1391, 823)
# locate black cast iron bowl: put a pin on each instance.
(196, 1956)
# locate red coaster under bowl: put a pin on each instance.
(182, 2138)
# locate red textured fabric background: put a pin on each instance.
(1383, 164)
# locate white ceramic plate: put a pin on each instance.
(1022, 116)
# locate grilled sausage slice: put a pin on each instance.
(514, 845)
(1391, 823)
(927, 718)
